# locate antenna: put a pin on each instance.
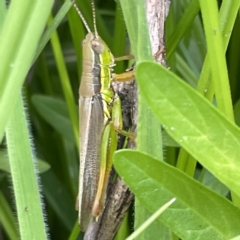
(81, 16)
(94, 19)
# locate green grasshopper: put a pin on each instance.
(100, 120)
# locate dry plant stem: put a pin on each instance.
(119, 196)
(157, 11)
(117, 205)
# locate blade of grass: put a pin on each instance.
(55, 191)
(151, 219)
(7, 219)
(186, 71)
(54, 112)
(119, 39)
(78, 33)
(216, 55)
(19, 38)
(75, 232)
(52, 27)
(23, 172)
(66, 85)
(149, 138)
(137, 28)
(189, 15)
(227, 16)
(4, 164)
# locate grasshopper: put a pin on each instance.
(100, 121)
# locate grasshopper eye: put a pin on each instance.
(97, 46)
(83, 41)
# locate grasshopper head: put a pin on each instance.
(95, 48)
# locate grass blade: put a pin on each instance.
(19, 38)
(23, 171)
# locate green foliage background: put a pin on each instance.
(50, 93)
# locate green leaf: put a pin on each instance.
(193, 122)
(198, 212)
(54, 111)
(236, 238)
